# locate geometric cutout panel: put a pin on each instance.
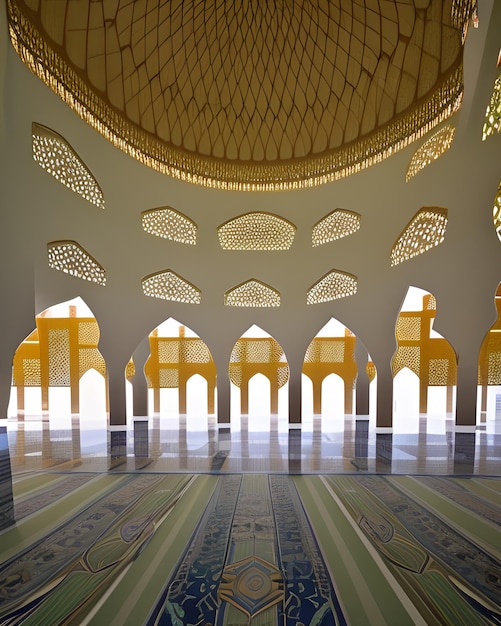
(496, 212)
(256, 231)
(252, 293)
(339, 223)
(55, 155)
(169, 224)
(426, 230)
(492, 122)
(431, 150)
(71, 258)
(333, 285)
(168, 285)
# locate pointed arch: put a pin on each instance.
(177, 354)
(421, 349)
(257, 352)
(61, 349)
(489, 358)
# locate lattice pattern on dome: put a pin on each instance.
(169, 224)
(339, 223)
(256, 231)
(168, 285)
(463, 13)
(426, 230)
(332, 286)
(496, 212)
(69, 257)
(252, 293)
(55, 155)
(247, 96)
(431, 150)
(492, 122)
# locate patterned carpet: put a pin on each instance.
(178, 549)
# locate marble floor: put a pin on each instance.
(258, 445)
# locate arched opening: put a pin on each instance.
(257, 356)
(333, 397)
(51, 364)
(430, 357)
(180, 374)
(333, 368)
(489, 369)
(406, 401)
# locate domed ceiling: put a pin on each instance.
(252, 94)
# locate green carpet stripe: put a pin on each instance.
(132, 598)
(484, 487)
(480, 531)
(65, 599)
(35, 527)
(29, 484)
(353, 570)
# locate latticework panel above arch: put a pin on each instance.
(258, 355)
(251, 95)
(168, 285)
(256, 231)
(431, 150)
(69, 257)
(425, 231)
(340, 223)
(332, 286)
(55, 155)
(168, 223)
(252, 293)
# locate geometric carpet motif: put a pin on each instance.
(180, 549)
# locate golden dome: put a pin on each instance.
(251, 94)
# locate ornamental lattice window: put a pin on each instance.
(252, 293)
(69, 257)
(55, 155)
(340, 223)
(168, 223)
(425, 231)
(496, 212)
(256, 231)
(168, 285)
(431, 150)
(492, 122)
(332, 286)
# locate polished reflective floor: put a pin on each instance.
(258, 445)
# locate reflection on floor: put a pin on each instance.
(250, 524)
(178, 444)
